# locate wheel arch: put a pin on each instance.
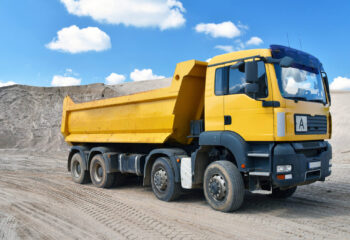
(100, 150)
(81, 150)
(169, 153)
(229, 140)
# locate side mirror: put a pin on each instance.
(251, 88)
(251, 72)
(326, 83)
(286, 62)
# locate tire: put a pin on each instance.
(99, 176)
(223, 186)
(77, 173)
(278, 193)
(163, 180)
(119, 179)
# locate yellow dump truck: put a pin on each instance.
(254, 119)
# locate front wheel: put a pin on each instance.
(223, 186)
(286, 193)
(163, 180)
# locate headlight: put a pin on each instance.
(284, 168)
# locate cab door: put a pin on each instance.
(244, 114)
(216, 85)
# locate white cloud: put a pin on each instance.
(66, 79)
(239, 45)
(144, 74)
(254, 41)
(5, 84)
(75, 40)
(242, 26)
(163, 14)
(62, 81)
(340, 83)
(208, 60)
(115, 78)
(225, 29)
(226, 48)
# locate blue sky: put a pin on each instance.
(147, 44)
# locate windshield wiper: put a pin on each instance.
(296, 99)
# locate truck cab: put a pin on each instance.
(270, 108)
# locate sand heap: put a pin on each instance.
(30, 117)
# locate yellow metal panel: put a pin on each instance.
(118, 138)
(149, 117)
(301, 107)
(249, 119)
(214, 105)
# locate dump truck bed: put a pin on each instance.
(155, 116)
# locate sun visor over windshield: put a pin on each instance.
(302, 59)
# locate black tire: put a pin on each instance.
(223, 186)
(119, 179)
(286, 193)
(163, 180)
(99, 176)
(77, 173)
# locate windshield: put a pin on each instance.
(304, 84)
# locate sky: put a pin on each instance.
(73, 42)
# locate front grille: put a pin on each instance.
(315, 125)
(310, 149)
(313, 174)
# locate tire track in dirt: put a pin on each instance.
(8, 226)
(106, 210)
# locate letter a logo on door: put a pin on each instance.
(301, 124)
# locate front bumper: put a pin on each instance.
(300, 155)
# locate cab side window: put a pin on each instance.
(233, 80)
(221, 79)
(236, 81)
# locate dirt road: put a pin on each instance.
(38, 200)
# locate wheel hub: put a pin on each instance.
(98, 173)
(76, 169)
(160, 179)
(217, 187)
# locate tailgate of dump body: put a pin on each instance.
(148, 117)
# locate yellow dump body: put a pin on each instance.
(155, 116)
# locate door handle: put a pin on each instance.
(227, 120)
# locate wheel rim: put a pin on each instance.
(217, 187)
(160, 179)
(76, 169)
(98, 172)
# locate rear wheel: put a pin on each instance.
(77, 173)
(99, 176)
(163, 180)
(223, 186)
(286, 193)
